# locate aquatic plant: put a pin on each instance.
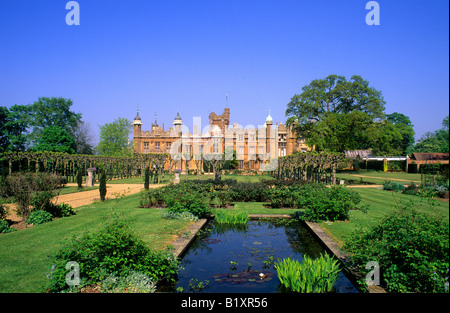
(230, 217)
(311, 276)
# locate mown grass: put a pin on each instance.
(380, 177)
(380, 203)
(26, 255)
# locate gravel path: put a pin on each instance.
(78, 199)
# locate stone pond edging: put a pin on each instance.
(183, 242)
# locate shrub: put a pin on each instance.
(22, 186)
(310, 276)
(39, 217)
(412, 249)
(4, 227)
(412, 189)
(190, 202)
(393, 186)
(133, 282)
(102, 186)
(327, 204)
(3, 212)
(153, 198)
(147, 178)
(79, 179)
(185, 216)
(114, 249)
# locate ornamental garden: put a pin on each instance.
(124, 242)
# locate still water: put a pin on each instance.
(231, 258)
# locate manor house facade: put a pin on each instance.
(253, 147)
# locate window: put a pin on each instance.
(157, 146)
(145, 147)
(168, 147)
(216, 146)
(252, 137)
(281, 149)
(261, 150)
(252, 150)
(241, 150)
(241, 137)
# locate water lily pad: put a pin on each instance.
(235, 275)
(257, 243)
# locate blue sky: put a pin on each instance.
(183, 56)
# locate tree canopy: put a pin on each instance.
(437, 141)
(336, 115)
(55, 139)
(22, 126)
(114, 138)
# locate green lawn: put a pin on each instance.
(26, 255)
(380, 177)
(380, 202)
(168, 178)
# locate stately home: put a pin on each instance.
(253, 147)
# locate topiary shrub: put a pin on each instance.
(39, 217)
(79, 179)
(147, 178)
(102, 186)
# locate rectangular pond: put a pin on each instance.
(234, 258)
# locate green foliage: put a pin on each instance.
(79, 178)
(437, 141)
(114, 138)
(230, 217)
(338, 115)
(102, 186)
(185, 216)
(55, 139)
(146, 178)
(3, 212)
(188, 202)
(132, 282)
(39, 217)
(412, 249)
(326, 204)
(4, 227)
(393, 186)
(115, 249)
(310, 276)
(32, 188)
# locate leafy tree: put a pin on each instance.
(55, 139)
(114, 138)
(437, 141)
(405, 127)
(12, 129)
(338, 115)
(334, 94)
(48, 112)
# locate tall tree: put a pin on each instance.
(114, 138)
(334, 94)
(405, 127)
(55, 139)
(337, 115)
(52, 111)
(12, 129)
(437, 141)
